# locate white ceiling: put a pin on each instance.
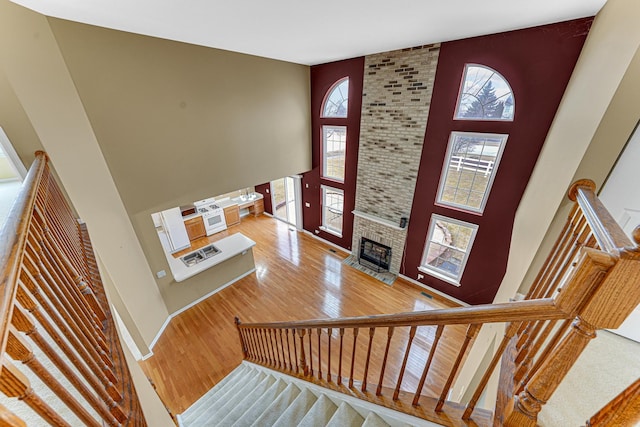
(314, 32)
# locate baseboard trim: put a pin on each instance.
(326, 241)
(187, 307)
(146, 356)
(435, 291)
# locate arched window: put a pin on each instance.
(484, 95)
(336, 103)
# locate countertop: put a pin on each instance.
(188, 217)
(241, 201)
(229, 247)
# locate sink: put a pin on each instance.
(200, 255)
(210, 251)
(192, 258)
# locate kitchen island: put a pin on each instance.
(227, 247)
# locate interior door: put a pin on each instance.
(621, 196)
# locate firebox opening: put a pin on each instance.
(374, 255)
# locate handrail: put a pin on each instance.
(12, 240)
(517, 311)
(610, 237)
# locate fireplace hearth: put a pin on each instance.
(374, 255)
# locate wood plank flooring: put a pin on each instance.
(297, 277)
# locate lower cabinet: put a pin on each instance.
(195, 228)
(232, 215)
(257, 208)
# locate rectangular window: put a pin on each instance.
(469, 169)
(447, 249)
(334, 145)
(332, 210)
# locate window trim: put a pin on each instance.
(447, 162)
(435, 272)
(326, 98)
(463, 80)
(323, 153)
(324, 226)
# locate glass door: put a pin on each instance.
(285, 193)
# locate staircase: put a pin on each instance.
(252, 395)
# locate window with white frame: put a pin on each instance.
(469, 169)
(332, 209)
(334, 146)
(484, 95)
(336, 103)
(447, 249)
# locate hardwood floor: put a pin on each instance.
(297, 277)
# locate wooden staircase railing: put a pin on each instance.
(55, 320)
(590, 280)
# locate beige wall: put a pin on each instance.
(38, 76)
(135, 125)
(177, 123)
(16, 123)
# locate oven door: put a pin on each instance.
(214, 222)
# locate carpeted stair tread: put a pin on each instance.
(237, 376)
(320, 413)
(261, 404)
(345, 416)
(374, 420)
(241, 407)
(273, 412)
(297, 410)
(214, 406)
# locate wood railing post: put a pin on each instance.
(605, 292)
(523, 409)
(303, 359)
(243, 345)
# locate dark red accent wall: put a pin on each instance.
(537, 62)
(322, 78)
(265, 189)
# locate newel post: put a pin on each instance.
(236, 320)
(613, 294)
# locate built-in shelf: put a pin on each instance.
(379, 220)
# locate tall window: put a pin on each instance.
(334, 145)
(447, 249)
(469, 168)
(332, 210)
(484, 95)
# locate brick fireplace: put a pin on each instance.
(395, 106)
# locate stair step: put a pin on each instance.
(250, 398)
(374, 420)
(345, 416)
(297, 410)
(320, 413)
(236, 377)
(221, 399)
(273, 412)
(226, 403)
(261, 404)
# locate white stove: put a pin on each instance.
(212, 214)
